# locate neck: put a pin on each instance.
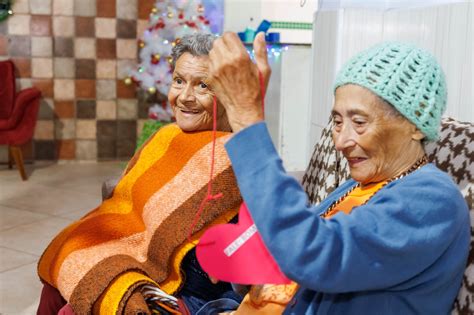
(411, 161)
(225, 128)
(416, 164)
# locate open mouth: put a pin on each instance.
(189, 111)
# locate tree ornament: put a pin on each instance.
(152, 90)
(155, 59)
(127, 80)
(135, 80)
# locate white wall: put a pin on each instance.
(287, 105)
(295, 108)
(446, 31)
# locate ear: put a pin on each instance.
(417, 135)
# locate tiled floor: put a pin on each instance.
(32, 213)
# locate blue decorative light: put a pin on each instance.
(273, 51)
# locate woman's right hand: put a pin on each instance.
(235, 78)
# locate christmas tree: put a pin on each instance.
(168, 22)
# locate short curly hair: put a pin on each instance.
(197, 44)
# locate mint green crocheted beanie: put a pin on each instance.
(409, 78)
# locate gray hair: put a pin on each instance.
(197, 44)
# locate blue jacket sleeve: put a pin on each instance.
(403, 229)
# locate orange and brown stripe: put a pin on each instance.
(120, 218)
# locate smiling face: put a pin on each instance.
(191, 98)
(378, 143)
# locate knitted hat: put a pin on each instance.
(409, 78)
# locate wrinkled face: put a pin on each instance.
(377, 145)
(191, 98)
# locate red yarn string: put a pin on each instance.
(209, 196)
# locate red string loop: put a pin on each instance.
(209, 196)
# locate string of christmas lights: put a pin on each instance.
(273, 51)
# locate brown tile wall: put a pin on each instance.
(77, 52)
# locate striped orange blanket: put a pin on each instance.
(139, 235)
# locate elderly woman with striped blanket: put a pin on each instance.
(132, 254)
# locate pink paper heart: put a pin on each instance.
(236, 253)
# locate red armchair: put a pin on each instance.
(18, 113)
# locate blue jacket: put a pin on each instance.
(404, 252)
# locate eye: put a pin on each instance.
(337, 123)
(336, 120)
(359, 122)
(203, 85)
(178, 80)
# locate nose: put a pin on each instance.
(187, 94)
(344, 137)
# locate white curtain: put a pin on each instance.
(327, 5)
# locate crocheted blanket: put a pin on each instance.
(142, 229)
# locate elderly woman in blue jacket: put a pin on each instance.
(401, 248)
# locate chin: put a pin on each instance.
(191, 127)
(190, 124)
(185, 125)
(187, 128)
(358, 177)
